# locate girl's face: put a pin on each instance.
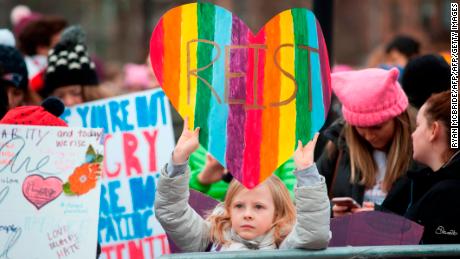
(252, 212)
(421, 137)
(70, 95)
(378, 136)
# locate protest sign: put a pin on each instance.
(49, 193)
(252, 95)
(138, 141)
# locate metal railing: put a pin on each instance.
(402, 251)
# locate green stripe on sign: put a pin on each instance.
(302, 67)
(205, 16)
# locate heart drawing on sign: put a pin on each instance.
(252, 95)
(40, 191)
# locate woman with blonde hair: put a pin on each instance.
(249, 219)
(370, 149)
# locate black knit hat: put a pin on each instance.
(14, 70)
(69, 63)
(424, 76)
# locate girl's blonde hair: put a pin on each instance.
(398, 157)
(285, 213)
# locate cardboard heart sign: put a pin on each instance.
(253, 96)
(40, 191)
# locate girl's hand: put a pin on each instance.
(303, 156)
(186, 145)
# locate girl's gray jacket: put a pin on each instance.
(191, 233)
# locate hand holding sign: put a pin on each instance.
(252, 95)
(303, 155)
(186, 145)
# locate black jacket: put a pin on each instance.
(431, 199)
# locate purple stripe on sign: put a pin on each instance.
(237, 91)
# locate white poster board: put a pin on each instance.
(38, 218)
(138, 142)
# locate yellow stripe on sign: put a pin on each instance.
(188, 62)
(287, 121)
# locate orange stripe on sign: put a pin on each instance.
(270, 117)
(171, 70)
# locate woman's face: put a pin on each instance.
(378, 136)
(421, 137)
(70, 95)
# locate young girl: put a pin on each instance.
(430, 196)
(371, 149)
(208, 176)
(259, 218)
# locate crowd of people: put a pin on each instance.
(45, 56)
(385, 146)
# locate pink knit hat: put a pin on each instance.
(370, 96)
(137, 76)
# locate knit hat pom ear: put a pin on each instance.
(73, 35)
(53, 105)
(394, 73)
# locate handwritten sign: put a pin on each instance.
(38, 220)
(138, 141)
(252, 95)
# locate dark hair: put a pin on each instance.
(424, 76)
(408, 46)
(39, 33)
(438, 109)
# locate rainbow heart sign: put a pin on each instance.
(252, 95)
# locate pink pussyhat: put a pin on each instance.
(21, 16)
(137, 75)
(370, 96)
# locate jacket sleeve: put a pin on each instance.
(312, 228)
(184, 226)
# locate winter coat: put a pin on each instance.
(191, 233)
(431, 199)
